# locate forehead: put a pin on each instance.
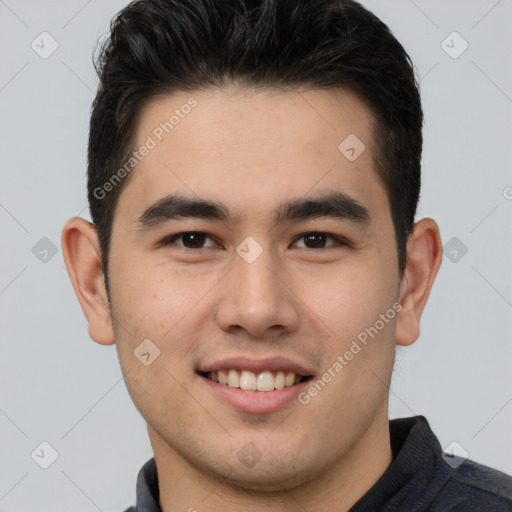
(232, 116)
(246, 146)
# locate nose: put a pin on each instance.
(258, 297)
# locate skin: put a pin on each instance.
(252, 151)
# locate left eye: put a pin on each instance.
(317, 240)
(196, 240)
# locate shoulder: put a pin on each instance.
(475, 487)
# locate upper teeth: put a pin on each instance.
(263, 381)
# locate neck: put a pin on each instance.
(184, 487)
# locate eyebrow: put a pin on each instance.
(336, 205)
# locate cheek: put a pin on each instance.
(351, 298)
(359, 306)
(154, 298)
(170, 307)
(153, 303)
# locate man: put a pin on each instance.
(254, 171)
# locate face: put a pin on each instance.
(290, 269)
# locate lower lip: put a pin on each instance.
(256, 401)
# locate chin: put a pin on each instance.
(268, 482)
(269, 476)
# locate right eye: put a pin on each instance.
(190, 240)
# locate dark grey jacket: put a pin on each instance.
(421, 478)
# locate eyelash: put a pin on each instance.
(339, 241)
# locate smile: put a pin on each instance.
(250, 381)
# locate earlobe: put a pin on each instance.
(83, 262)
(424, 256)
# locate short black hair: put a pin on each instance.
(158, 47)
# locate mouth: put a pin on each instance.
(262, 381)
(255, 385)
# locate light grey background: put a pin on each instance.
(58, 386)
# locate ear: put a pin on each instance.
(82, 256)
(424, 256)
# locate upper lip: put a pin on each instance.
(256, 365)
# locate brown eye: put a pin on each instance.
(190, 240)
(317, 240)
